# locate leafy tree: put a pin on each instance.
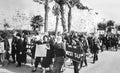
(46, 7)
(6, 25)
(102, 26)
(118, 28)
(110, 23)
(36, 22)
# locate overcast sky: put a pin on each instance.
(108, 8)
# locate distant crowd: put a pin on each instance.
(56, 49)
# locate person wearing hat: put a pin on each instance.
(19, 50)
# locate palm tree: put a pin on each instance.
(56, 12)
(46, 7)
(36, 22)
(61, 4)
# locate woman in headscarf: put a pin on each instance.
(59, 54)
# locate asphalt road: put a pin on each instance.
(109, 62)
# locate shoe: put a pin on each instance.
(18, 66)
(85, 65)
(93, 62)
(34, 70)
(13, 62)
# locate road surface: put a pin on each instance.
(109, 62)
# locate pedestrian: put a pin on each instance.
(24, 44)
(95, 49)
(38, 40)
(19, 50)
(6, 55)
(2, 51)
(85, 48)
(47, 61)
(13, 48)
(78, 44)
(59, 54)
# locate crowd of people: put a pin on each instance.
(56, 49)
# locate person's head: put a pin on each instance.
(3, 35)
(59, 33)
(82, 37)
(18, 35)
(46, 38)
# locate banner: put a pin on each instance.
(2, 47)
(41, 50)
(74, 53)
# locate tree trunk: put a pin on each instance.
(56, 27)
(46, 16)
(63, 17)
(69, 19)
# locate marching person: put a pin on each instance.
(2, 52)
(95, 49)
(13, 50)
(24, 43)
(19, 50)
(6, 48)
(59, 54)
(38, 40)
(47, 61)
(78, 44)
(85, 48)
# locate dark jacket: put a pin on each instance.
(6, 44)
(59, 50)
(19, 47)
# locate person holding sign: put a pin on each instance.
(1, 51)
(39, 52)
(47, 61)
(78, 44)
(6, 55)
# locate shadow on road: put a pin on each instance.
(23, 69)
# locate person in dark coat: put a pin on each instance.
(116, 42)
(19, 50)
(13, 51)
(95, 50)
(24, 43)
(78, 44)
(85, 48)
(59, 54)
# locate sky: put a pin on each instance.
(109, 9)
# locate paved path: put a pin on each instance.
(109, 62)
